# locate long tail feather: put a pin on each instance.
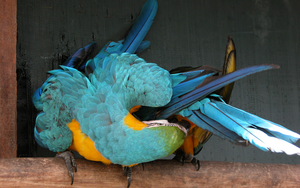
(210, 85)
(228, 67)
(262, 133)
(259, 123)
(215, 127)
(140, 27)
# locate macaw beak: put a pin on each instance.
(183, 125)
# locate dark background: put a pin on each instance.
(190, 32)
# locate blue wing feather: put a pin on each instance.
(143, 46)
(140, 27)
(179, 103)
(189, 85)
(79, 58)
(133, 42)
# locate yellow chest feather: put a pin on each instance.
(84, 145)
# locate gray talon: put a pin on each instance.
(128, 171)
(69, 159)
(196, 163)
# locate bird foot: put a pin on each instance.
(69, 158)
(180, 158)
(196, 163)
(188, 158)
(128, 172)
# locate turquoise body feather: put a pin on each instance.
(51, 129)
(101, 112)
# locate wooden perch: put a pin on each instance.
(51, 172)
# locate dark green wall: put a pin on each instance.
(191, 32)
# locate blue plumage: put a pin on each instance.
(133, 42)
(262, 133)
(212, 126)
(128, 81)
(140, 27)
(56, 103)
(79, 58)
(212, 84)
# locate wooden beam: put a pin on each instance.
(51, 172)
(8, 83)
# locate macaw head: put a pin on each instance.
(156, 139)
(184, 126)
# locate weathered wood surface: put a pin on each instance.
(51, 172)
(8, 83)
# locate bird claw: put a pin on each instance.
(179, 158)
(196, 163)
(128, 171)
(69, 159)
(183, 159)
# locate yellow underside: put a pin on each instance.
(84, 145)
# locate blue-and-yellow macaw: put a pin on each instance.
(125, 111)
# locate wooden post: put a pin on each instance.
(8, 83)
(51, 172)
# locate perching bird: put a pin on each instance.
(99, 114)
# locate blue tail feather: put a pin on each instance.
(241, 127)
(215, 127)
(256, 122)
(207, 87)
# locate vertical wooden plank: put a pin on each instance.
(8, 84)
